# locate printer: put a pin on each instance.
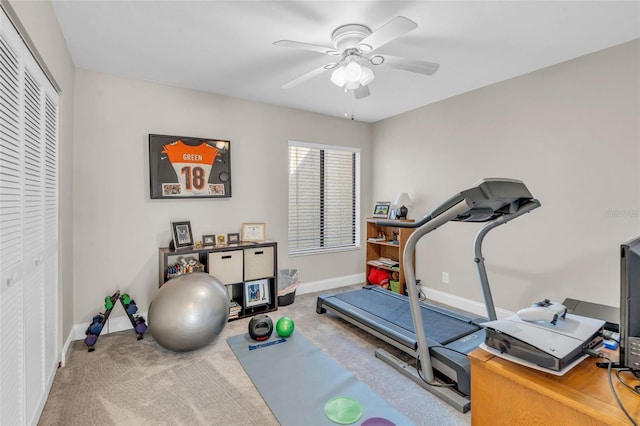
(541, 343)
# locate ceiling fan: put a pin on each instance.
(353, 48)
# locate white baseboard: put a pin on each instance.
(330, 284)
(115, 324)
(463, 303)
(120, 323)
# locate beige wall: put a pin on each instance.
(571, 132)
(42, 27)
(118, 229)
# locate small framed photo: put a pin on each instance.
(256, 293)
(182, 235)
(255, 232)
(221, 239)
(233, 238)
(381, 209)
(209, 240)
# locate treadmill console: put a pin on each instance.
(488, 199)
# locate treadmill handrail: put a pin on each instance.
(479, 259)
(402, 224)
(410, 277)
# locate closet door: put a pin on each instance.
(33, 234)
(51, 200)
(11, 239)
(28, 232)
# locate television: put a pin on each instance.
(630, 304)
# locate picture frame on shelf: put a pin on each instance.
(221, 239)
(182, 234)
(256, 293)
(254, 232)
(209, 240)
(233, 238)
(381, 209)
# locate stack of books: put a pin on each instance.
(376, 239)
(388, 262)
(234, 309)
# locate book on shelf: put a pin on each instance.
(376, 239)
(234, 308)
(385, 262)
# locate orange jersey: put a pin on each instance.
(192, 165)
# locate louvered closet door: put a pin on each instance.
(11, 212)
(50, 187)
(33, 231)
(28, 232)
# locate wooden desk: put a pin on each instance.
(505, 393)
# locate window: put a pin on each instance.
(324, 189)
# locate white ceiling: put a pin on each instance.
(225, 47)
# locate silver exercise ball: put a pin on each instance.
(188, 312)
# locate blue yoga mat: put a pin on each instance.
(296, 379)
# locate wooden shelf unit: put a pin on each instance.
(387, 249)
(234, 265)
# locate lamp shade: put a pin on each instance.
(338, 76)
(353, 71)
(352, 75)
(366, 76)
(403, 199)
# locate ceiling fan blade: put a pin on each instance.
(308, 75)
(413, 65)
(361, 92)
(307, 46)
(390, 31)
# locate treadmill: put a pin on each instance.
(441, 351)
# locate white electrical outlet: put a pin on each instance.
(445, 278)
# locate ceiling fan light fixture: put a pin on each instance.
(366, 76)
(353, 71)
(352, 85)
(338, 76)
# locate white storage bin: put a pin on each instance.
(226, 266)
(258, 263)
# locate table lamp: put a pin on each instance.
(403, 200)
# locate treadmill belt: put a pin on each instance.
(396, 310)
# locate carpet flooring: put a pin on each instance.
(137, 382)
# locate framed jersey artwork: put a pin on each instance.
(188, 167)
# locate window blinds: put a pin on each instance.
(323, 195)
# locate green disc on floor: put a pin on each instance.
(343, 410)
